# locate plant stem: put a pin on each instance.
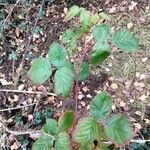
(84, 50)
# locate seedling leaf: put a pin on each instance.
(104, 16)
(100, 53)
(118, 129)
(84, 73)
(101, 32)
(100, 106)
(40, 70)
(125, 40)
(86, 131)
(51, 127)
(65, 121)
(63, 81)
(45, 142)
(95, 18)
(63, 142)
(73, 11)
(57, 54)
(85, 19)
(67, 35)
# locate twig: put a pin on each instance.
(9, 14)
(18, 107)
(19, 132)
(140, 141)
(29, 132)
(27, 92)
(27, 48)
(21, 6)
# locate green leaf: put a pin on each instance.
(73, 43)
(101, 32)
(63, 142)
(95, 18)
(101, 106)
(63, 80)
(87, 147)
(100, 53)
(51, 127)
(104, 16)
(68, 65)
(45, 142)
(118, 129)
(125, 40)
(65, 121)
(84, 73)
(68, 35)
(57, 54)
(86, 131)
(40, 70)
(85, 19)
(73, 11)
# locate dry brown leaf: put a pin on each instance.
(21, 87)
(122, 104)
(14, 146)
(17, 31)
(137, 126)
(130, 25)
(143, 97)
(138, 113)
(112, 10)
(114, 86)
(133, 5)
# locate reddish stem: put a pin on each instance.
(84, 50)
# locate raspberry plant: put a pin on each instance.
(99, 125)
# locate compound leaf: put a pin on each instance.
(100, 53)
(100, 106)
(125, 40)
(73, 11)
(40, 70)
(57, 54)
(65, 121)
(51, 127)
(86, 131)
(101, 32)
(118, 129)
(45, 142)
(63, 81)
(84, 73)
(63, 142)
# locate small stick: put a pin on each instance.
(18, 132)
(27, 92)
(10, 13)
(18, 107)
(140, 141)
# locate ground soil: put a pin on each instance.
(129, 72)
